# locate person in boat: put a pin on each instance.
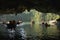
(46, 25)
(12, 24)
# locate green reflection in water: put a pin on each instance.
(37, 29)
(52, 30)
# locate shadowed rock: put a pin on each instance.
(14, 6)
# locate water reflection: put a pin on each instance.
(34, 31)
(38, 30)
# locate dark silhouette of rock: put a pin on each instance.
(21, 5)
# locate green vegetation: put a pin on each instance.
(33, 14)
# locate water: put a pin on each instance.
(34, 31)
